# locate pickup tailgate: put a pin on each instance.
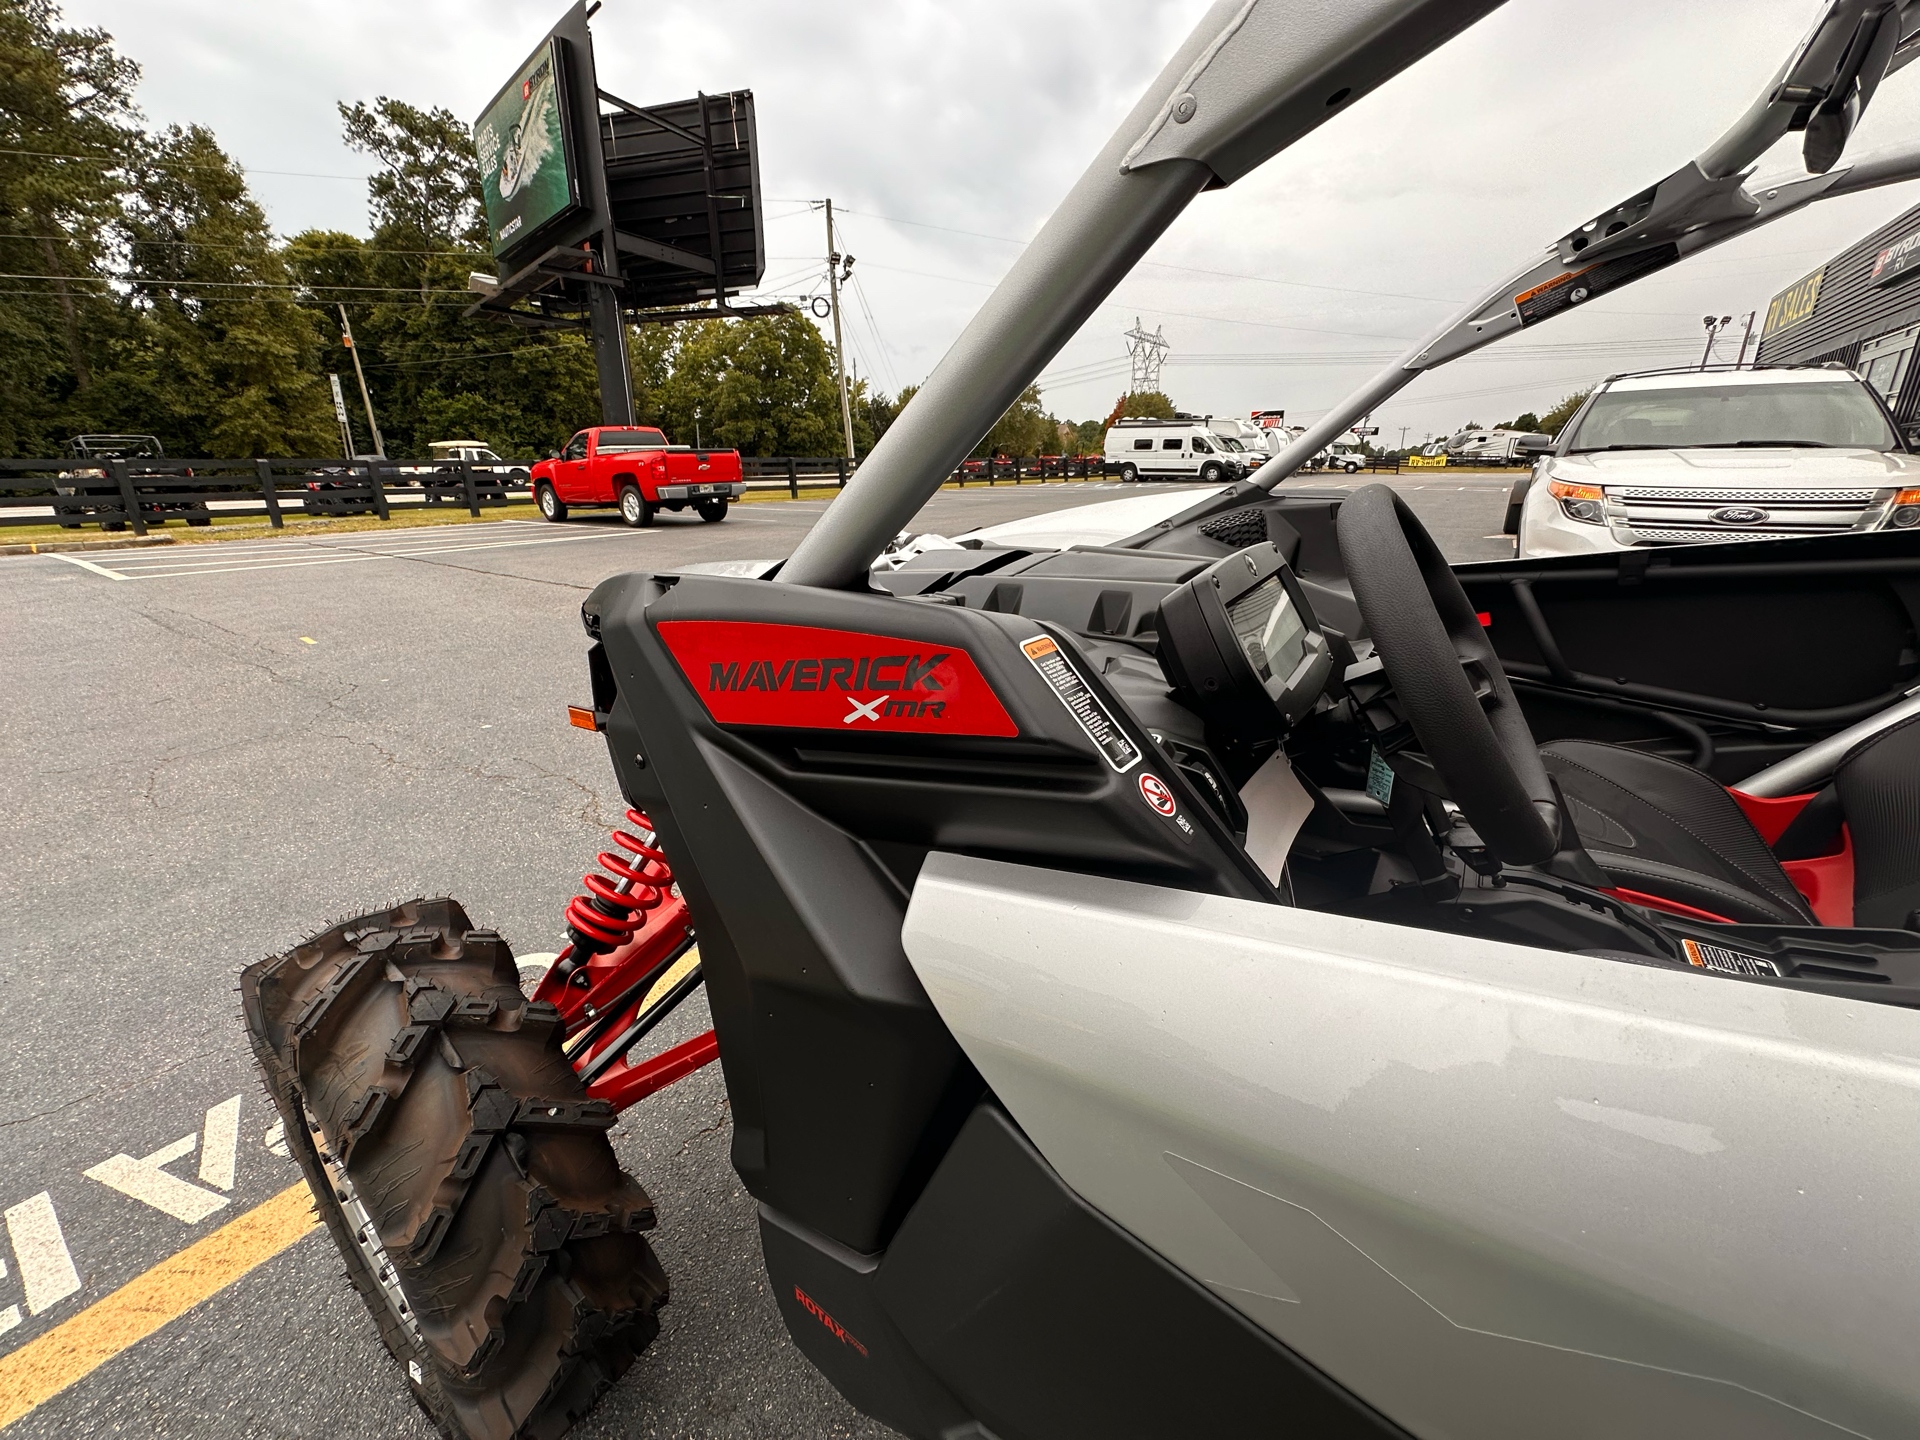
(701, 474)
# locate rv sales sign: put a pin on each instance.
(1793, 304)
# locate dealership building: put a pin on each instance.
(1861, 308)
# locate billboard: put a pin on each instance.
(1793, 304)
(528, 173)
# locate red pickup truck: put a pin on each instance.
(634, 467)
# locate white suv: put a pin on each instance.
(1701, 456)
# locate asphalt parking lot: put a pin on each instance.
(211, 751)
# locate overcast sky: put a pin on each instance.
(947, 133)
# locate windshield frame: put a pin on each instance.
(1569, 433)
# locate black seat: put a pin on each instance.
(1661, 828)
(1879, 786)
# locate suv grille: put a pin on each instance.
(1646, 516)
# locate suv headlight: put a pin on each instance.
(1904, 514)
(1585, 503)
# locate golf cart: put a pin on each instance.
(1245, 978)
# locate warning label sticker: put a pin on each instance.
(1727, 962)
(1154, 790)
(1082, 703)
(1160, 799)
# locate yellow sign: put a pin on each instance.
(1427, 462)
(1793, 304)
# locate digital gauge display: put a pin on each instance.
(1241, 645)
(1271, 633)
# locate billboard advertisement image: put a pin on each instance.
(526, 166)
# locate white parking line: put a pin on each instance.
(297, 554)
(222, 1148)
(144, 1180)
(88, 565)
(46, 1267)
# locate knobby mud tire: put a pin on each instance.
(401, 1043)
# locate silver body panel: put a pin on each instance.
(1500, 1192)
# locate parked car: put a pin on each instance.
(97, 480)
(447, 454)
(1674, 458)
(633, 467)
(1180, 449)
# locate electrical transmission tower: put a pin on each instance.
(1149, 353)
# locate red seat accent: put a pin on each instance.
(1769, 816)
(1827, 882)
(1670, 907)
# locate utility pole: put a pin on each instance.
(1713, 327)
(834, 277)
(346, 339)
(1744, 339)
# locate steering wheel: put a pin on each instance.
(1425, 632)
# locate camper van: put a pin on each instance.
(1491, 447)
(1186, 448)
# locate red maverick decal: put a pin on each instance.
(799, 676)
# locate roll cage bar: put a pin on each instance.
(1254, 77)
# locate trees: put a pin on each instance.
(151, 274)
(1144, 404)
(1024, 429)
(150, 295)
(1553, 421)
(218, 361)
(66, 125)
(763, 386)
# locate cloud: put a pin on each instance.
(978, 118)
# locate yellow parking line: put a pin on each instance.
(74, 1349)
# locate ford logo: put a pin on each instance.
(1739, 515)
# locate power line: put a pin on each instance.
(1119, 304)
(357, 249)
(1168, 265)
(125, 159)
(577, 351)
(166, 284)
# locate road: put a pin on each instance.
(211, 751)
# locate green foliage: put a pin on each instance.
(762, 386)
(159, 300)
(1552, 422)
(218, 362)
(1025, 429)
(430, 190)
(62, 93)
(1144, 404)
(1526, 420)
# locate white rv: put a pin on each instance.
(1186, 448)
(1491, 447)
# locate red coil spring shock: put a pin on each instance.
(611, 912)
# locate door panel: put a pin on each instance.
(1765, 642)
(1495, 1191)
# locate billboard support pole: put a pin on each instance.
(610, 356)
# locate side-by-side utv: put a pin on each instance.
(1248, 979)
